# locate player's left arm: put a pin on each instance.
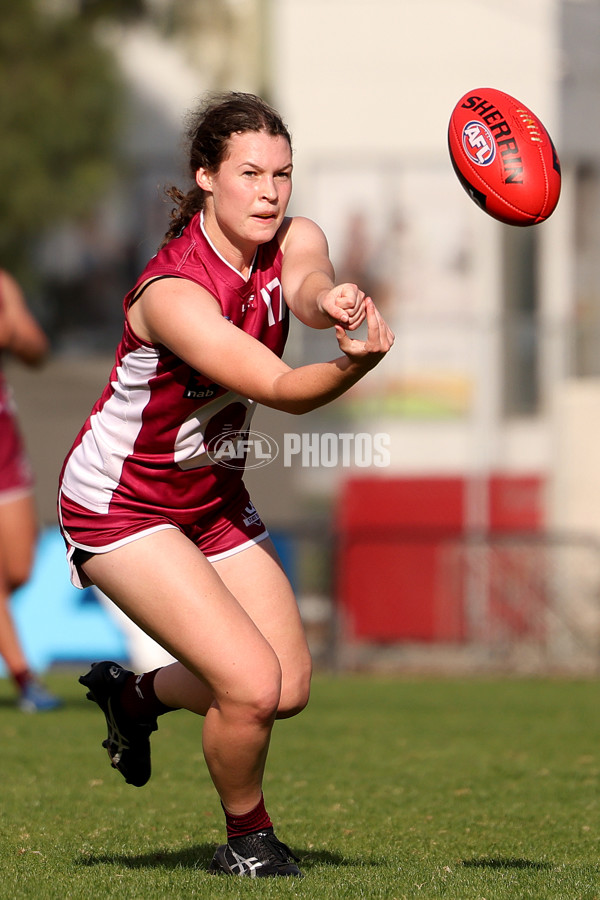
(308, 280)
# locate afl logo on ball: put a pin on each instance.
(478, 143)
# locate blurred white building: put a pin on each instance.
(493, 323)
(494, 375)
(368, 90)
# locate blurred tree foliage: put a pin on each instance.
(115, 9)
(60, 101)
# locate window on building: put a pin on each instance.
(586, 324)
(519, 324)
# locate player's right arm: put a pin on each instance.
(186, 319)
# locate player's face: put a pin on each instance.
(248, 196)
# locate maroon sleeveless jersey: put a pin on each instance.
(144, 445)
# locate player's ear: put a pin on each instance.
(204, 179)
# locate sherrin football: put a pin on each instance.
(504, 157)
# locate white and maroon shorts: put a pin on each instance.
(222, 533)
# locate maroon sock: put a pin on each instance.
(257, 819)
(138, 698)
(22, 679)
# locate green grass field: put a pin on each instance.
(387, 788)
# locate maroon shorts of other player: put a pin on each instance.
(228, 531)
(16, 477)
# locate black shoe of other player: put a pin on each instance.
(128, 741)
(257, 855)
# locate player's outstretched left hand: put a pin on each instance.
(380, 339)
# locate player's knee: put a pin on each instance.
(292, 705)
(18, 577)
(17, 570)
(261, 695)
(261, 706)
(295, 694)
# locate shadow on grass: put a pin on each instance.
(195, 857)
(504, 862)
(8, 702)
(199, 857)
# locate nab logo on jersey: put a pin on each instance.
(478, 142)
(196, 389)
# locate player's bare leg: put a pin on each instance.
(273, 609)
(10, 645)
(168, 588)
(257, 580)
(17, 536)
(229, 670)
(18, 532)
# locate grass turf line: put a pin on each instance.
(387, 788)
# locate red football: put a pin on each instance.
(504, 157)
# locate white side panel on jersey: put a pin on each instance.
(95, 466)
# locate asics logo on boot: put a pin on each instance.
(243, 866)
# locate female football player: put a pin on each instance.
(21, 336)
(150, 516)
